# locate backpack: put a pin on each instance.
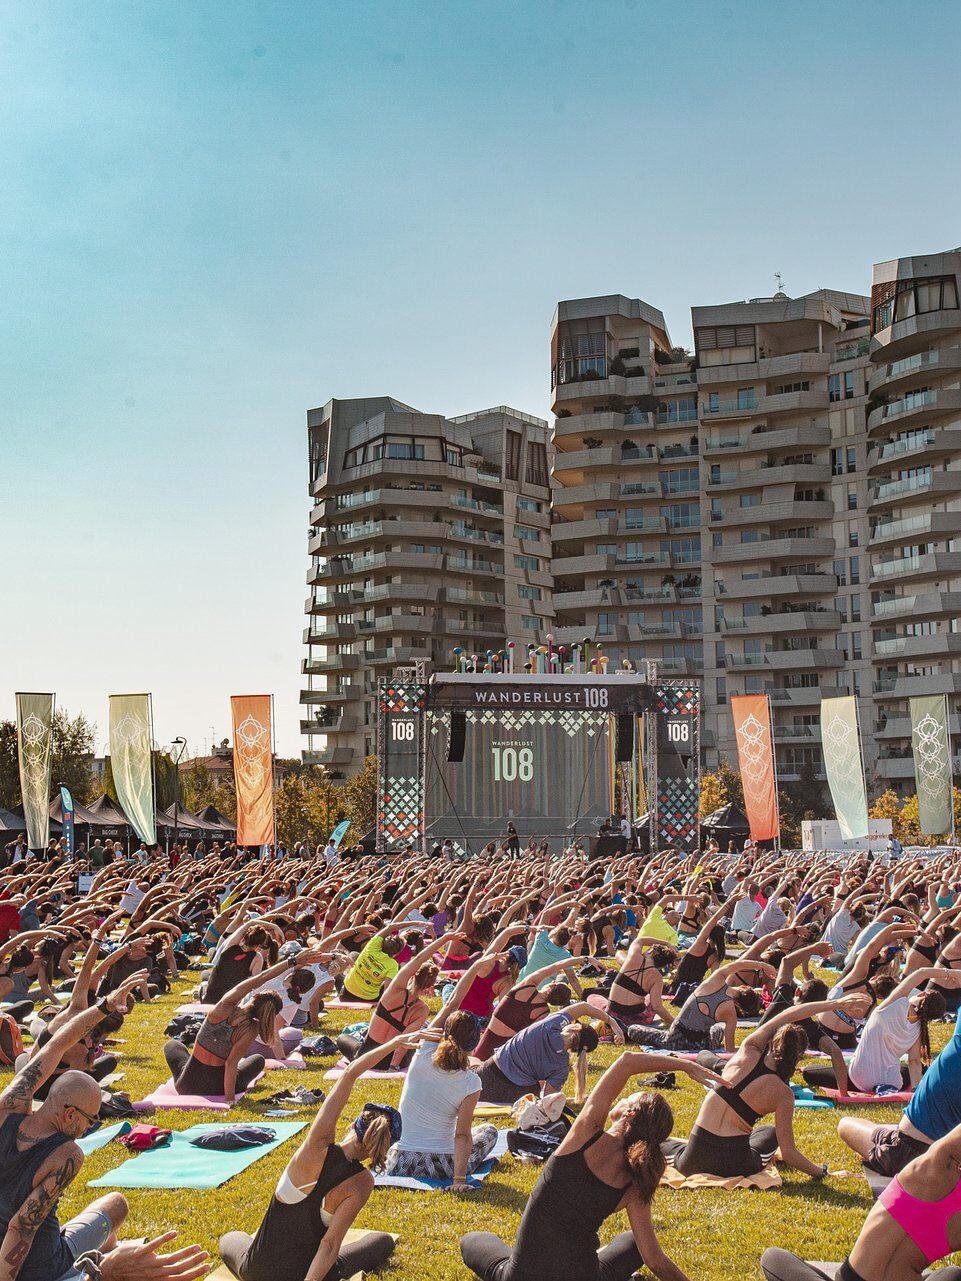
(321, 1047)
(537, 1144)
(11, 1040)
(144, 1138)
(234, 1138)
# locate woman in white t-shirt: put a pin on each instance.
(438, 1100)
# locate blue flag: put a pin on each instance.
(339, 832)
(66, 802)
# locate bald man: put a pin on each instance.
(39, 1158)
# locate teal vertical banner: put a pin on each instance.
(933, 774)
(841, 745)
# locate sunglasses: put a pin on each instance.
(91, 1120)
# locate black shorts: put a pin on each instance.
(843, 1040)
(892, 1149)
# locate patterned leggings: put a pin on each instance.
(440, 1165)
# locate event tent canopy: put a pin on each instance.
(210, 814)
(728, 821)
(82, 816)
(10, 822)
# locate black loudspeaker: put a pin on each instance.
(457, 736)
(624, 738)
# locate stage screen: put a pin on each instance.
(546, 770)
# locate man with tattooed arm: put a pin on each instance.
(39, 1158)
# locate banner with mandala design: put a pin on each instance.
(253, 768)
(34, 752)
(755, 756)
(931, 746)
(131, 761)
(841, 744)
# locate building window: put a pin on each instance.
(529, 504)
(716, 513)
(713, 402)
(403, 450)
(527, 562)
(528, 593)
(722, 689)
(834, 387)
(606, 624)
(635, 618)
(853, 535)
(581, 350)
(606, 549)
(852, 500)
(840, 573)
(750, 500)
(526, 534)
(746, 398)
(855, 570)
(512, 468)
(716, 540)
(530, 623)
(537, 465)
(605, 513)
(899, 300)
(752, 536)
(634, 518)
(852, 459)
(682, 410)
(454, 457)
(680, 480)
(682, 515)
(856, 645)
(837, 465)
(849, 386)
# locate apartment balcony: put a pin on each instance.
(806, 695)
(825, 620)
(330, 756)
(581, 531)
(593, 598)
(773, 549)
(478, 507)
(565, 394)
(919, 605)
(472, 566)
(327, 603)
(909, 686)
(902, 375)
(397, 654)
(796, 364)
(742, 407)
(906, 337)
(815, 400)
(578, 461)
(803, 436)
(390, 623)
(777, 585)
(796, 734)
(635, 633)
(931, 565)
(778, 473)
(576, 428)
(913, 529)
(917, 489)
(332, 664)
(915, 410)
(400, 592)
(464, 595)
(747, 662)
(575, 566)
(678, 666)
(804, 660)
(595, 495)
(791, 513)
(925, 444)
(900, 727)
(335, 722)
(911, 648)
(329, 635)
(323, 697)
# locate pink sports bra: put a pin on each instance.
(925, 1222)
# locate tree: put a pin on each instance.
(309, 807)
(888, 805)
(9, 770)
(197, 786)
(800, 801)
(360, 795)
(721, 787)
(72, 756)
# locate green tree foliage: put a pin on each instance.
(888, 805)
(309, 807)
(9, 774)
(910, 822)
(799, 801)
(721, 787)
(360, 794)
(72, 756)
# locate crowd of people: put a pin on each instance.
(485, 983)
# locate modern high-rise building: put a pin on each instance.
(426, 533)
(777, 511)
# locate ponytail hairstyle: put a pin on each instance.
(929, 1005)
(483, 930)
(377, 1140)
(746, 1001)
(460, 1034)
(263, 1011)
(558, 995)
(299, 984)
(662, 957)
(787, 1046)
(425, 978)
(717, 943)
(812, 990)
(649, 1123)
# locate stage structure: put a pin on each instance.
(462, 753)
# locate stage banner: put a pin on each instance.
(340, 831)
(66, 808)
(678, 796)
(34, 752)
(931, 745)
(755, 755)
(400, 778)
(131, 761)
(841, 745)
(253, 768)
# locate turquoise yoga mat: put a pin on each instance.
(100, 1138)
(181, 1165)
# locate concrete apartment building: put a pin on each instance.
(426, 533)
(778, 511)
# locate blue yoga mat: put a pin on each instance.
(100, 1138)
(181, 1165)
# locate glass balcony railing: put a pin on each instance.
(906, 485)
(907, 525)
(916, 440)
(891, 568)
(743, 404)
(915, 401)
(922, 360)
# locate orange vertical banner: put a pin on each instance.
(755, 754)
(253, 768)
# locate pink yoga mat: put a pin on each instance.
(193, 1007)
(335, 1003)
(902, 1096)
(166, 1096)
(340, 1068)
(295, 1062)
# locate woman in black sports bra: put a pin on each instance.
(726, 1140)
(402, 1007)
(594, 1173)
(637, 993)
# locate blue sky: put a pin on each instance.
(216, 215)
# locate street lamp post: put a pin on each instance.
(180, 743)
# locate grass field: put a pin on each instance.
(713, 1236)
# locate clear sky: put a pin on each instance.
(215, 214)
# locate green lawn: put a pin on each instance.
(712, 1235)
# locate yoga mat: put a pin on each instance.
(294, 1063)
(491, 1111)
(766, 1180)
(100, 1138)
(335, 1003)
(166, 1096)
(181, 1165)
(385, 1073)
(193, 1007)
(434, 1185)
(876, 1182)
(902, 1096)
